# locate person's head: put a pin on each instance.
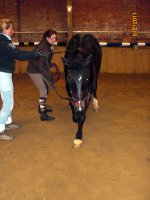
(7, 27)
(50, 36)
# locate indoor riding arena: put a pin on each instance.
(113, 162)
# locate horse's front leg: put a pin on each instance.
(78, 140)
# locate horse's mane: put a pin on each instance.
(84, 44)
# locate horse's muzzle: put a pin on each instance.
(79, 105)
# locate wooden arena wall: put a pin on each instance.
(115, 60)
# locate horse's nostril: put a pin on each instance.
(79, 109)
(80, 105)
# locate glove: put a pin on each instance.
(41, 53)
(44, 54)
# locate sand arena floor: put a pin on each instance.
(114, 161)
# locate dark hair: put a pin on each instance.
(48, 33)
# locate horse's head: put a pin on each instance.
(78, 81)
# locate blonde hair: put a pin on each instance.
(5, 24)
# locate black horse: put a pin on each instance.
(82, 62)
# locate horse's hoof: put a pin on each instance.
(77, 143)
(96, 109)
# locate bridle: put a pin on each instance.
(86, 99)
(79, 98)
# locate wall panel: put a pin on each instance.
(115, 60)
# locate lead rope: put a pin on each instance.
(52, 83)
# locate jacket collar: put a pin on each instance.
(47, 43)
(4, 37)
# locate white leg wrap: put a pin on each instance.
(77, 143)
(95, 104)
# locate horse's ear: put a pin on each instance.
(66, 61)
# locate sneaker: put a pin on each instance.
(4, 136)
(12, 126)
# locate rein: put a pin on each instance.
(53, 85)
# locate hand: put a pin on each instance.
(44, 54)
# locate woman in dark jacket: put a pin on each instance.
(8, 54)
(38, 71)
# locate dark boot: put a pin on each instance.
(45, 117)
(43, 110)
(47, 110)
